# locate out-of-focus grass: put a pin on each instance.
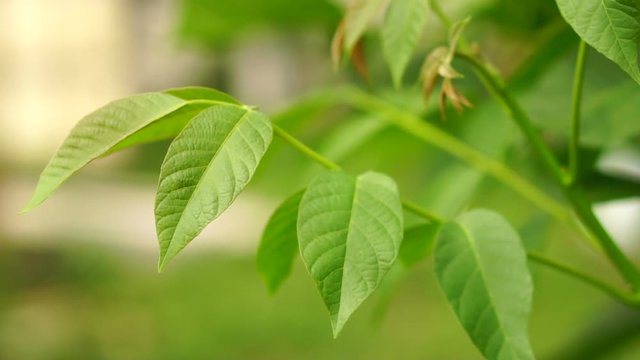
(87, 302)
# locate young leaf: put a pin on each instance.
(610, 26)
(482, 267)
(349, 232)
(97, 133)
(279, 243)
(206, 167)
(418, 243)
(401, 32)
(359, 14)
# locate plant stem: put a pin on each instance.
(418, 210)
(330, 165)
(617, 294)
(301, 147)
(581, 207)
(429, 133)
(574, 166)
(440, 14)
(495, 86)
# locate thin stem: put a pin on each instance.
(615, 293)
(578, 81)
(301, 147)
(440, 14)
(330, 165)
(418, 210)
(429, 133)
(582, 208)
(517, 113)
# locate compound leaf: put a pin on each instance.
(206, 167)
(481, 265)
(279, 243)
(97, 133)
(610, 26)
(401, 32)
(123, 123)
(349, 233)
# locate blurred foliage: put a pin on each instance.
(220, 22)
(82, 302)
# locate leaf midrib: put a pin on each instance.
(195, 190)
(346, 249)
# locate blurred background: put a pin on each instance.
(78, 275)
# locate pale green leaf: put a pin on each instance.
(206, 167)
(359, 14)
(418, 243)
(167, 127)
(401, 32)
(481, 265)
(349, 232)
(202, 93)
(279, 243)
(610, 26)
(97, 133)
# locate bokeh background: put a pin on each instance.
(78, 275)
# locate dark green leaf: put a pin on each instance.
(279, 243)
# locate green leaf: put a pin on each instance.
(97, 133)
(202, 93)
(206, 167)
(418, 243)
(401, 32)
(610, 26)
(349, 232)
(279, 243)
(121, 124)
(481, 265)
(167, 127)
(359, 14)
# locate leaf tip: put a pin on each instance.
(336, 328)
(31, 204)
(162, 262)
